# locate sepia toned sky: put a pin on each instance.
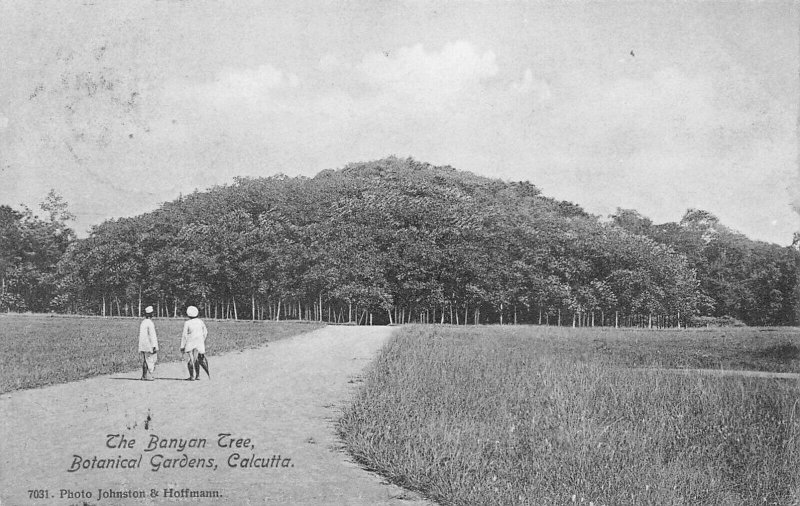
(656, 106)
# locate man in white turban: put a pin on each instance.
(193, 343)
(148, 344)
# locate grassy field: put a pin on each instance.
(43, 350)
(528, 415)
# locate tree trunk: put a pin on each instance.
(104, 304)
(235, 314)
(501, 313)
(616, 319)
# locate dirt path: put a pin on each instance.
(282, 398)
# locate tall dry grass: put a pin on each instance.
(524, 416)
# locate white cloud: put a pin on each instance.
(415, 71)
(410, 82)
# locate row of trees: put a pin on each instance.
(398, 240)
(752, 281)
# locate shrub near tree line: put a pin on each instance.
(397, 240)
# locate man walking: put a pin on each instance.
(193, 343)
(148, 344)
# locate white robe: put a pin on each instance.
(147, 336)
(194, 336)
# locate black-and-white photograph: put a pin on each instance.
(495, 252)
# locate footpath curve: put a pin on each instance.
(282, 397)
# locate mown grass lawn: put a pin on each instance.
(39, 350)
(541, 416)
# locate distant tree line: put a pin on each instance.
(752, 281)
(395, 241)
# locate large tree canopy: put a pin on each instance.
(397, 240)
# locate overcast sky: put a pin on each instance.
(659, 107)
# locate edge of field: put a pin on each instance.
(48, 349)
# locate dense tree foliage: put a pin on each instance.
(397, 240)
(387, 241)
(751, 281)
(30, 248)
